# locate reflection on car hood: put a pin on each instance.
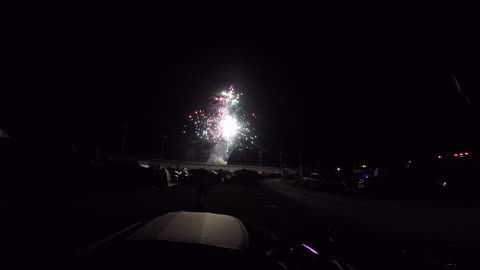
(202, 228)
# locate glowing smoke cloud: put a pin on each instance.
(224, 124)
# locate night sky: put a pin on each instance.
(325, 87)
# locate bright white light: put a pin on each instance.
(363, 166)
(338, 169)
(229, 127)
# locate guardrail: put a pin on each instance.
(192, 165)
(195, 165)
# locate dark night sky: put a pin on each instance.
(324, 86)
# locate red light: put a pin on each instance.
(455, 155)
(461, 154)
(439, 157)
(466, 153)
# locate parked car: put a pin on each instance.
(325, 181)
(203, 176)
(244, 176)
(317, 183)
(225, 175)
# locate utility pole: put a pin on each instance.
(124, 137)
(300, 167)
(260, 156)
(164, 138)
(241, 155)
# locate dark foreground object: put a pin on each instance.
(212, 241)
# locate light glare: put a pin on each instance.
(229, 127)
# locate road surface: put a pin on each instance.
(69, 223)
(436, 228)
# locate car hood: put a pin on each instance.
(198, 228)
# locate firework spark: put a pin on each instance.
(223, 123)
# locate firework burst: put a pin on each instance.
(224, 124)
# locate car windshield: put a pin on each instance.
(312, 127)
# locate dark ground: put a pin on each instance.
(63, 225)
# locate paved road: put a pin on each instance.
(72, 222)
(435, 228)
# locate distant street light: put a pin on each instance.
(339, 169)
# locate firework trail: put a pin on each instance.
(224, 124)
